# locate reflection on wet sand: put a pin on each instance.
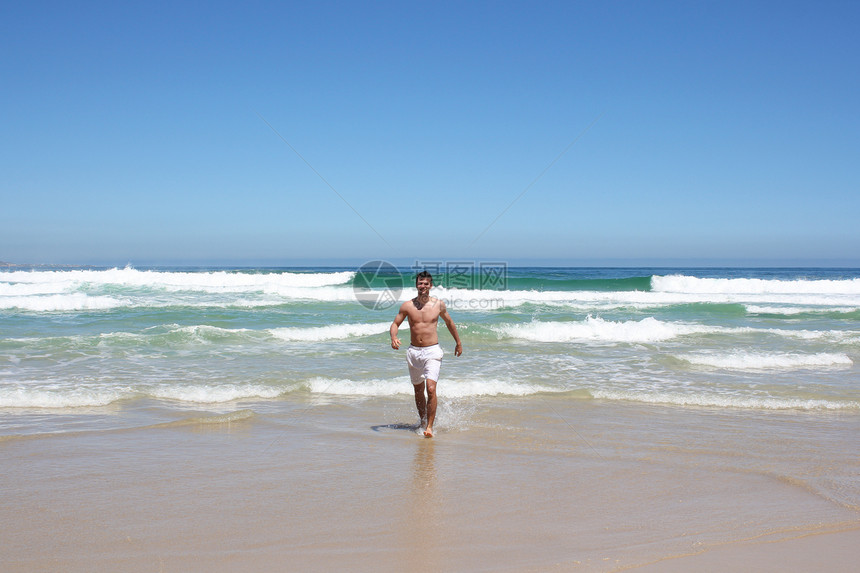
(421, 527)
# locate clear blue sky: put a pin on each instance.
(704, 131)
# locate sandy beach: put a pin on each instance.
(547, 485)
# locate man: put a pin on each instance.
(424, 356)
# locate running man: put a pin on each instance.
(424, 356)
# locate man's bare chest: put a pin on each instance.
(429, 313)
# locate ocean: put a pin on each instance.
(751, 373)
(760, 339)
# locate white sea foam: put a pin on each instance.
(46, 291)
(207, 330)
(331, 332)
(213, 281)
(713, 400)
(836, 336)
(647, 330)
(252, 289)
(483, 300)
(324, 293)
(688, 284)
(52, 396)
(469, 299)
(458, 388)
(743, 360)
(790, 310)
(56, 395)
(597, 329)
(201, 393)
(30, 289)
(453, 388)
(372, 387)
(59, 302)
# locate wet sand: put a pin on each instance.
(815, 552)
(506, 485)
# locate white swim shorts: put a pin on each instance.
(424, 363)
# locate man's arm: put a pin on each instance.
(398, 320)
(452, 328)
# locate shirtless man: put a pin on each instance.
(424, 355)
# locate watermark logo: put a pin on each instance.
(377, 285)
(471, 275)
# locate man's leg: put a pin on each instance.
(431, 407)
(421, 403)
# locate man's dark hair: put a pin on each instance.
(423, 275)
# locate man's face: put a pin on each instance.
(423, 285)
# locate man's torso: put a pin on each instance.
(423, 319)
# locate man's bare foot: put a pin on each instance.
(428, 433)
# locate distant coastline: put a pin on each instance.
(5, 265)
(409, 263)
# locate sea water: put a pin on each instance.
(757, 339)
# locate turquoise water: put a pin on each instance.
(753, 339)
